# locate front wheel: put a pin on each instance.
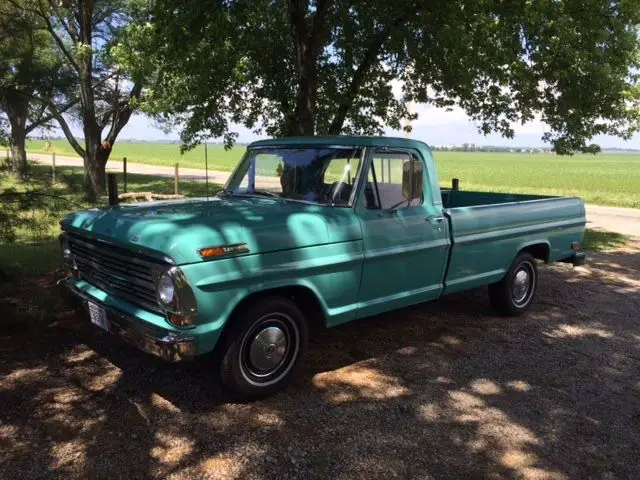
(264, 347)
(512, 295)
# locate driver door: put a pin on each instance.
(405, 242)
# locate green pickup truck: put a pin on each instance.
(307, 232)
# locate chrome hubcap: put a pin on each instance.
(267, 350)
(521, 285)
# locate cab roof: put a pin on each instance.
(341, 140)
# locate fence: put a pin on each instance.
(156, 181)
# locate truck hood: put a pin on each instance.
(180, 229)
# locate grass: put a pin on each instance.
(28, 258)
(36, 253)
(606, 179)
(600, 240)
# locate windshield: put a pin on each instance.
(318, 175)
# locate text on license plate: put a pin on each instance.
(98, 316)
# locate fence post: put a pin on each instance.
(53, 167)
(124, 173)
(176, 180)
(455, 184)
(112, 188)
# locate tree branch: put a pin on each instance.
(47, 118)
(37, 193)
(122, 116)
(67, 131)
(322, 9)
(72, 35)
(37, 121)
(370, 56)
(57, 38)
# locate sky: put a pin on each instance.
(435, 126)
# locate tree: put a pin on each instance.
(84, 31)
(307, 67)
(31, 77)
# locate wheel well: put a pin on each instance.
(539, 251)
(303, 297)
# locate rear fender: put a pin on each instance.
(532, 245)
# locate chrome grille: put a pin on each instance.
(118, 271)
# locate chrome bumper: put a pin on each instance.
(165, 344)
(577, 259)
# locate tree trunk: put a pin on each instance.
(18, 152)
(303, 121)
(95, 163)
(17, 110)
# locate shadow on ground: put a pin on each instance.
(442, 390)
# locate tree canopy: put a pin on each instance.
(285, 67)
(32, 76)
(83, 34)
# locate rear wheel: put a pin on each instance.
(264, 347)
(513, 295)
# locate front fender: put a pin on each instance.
(331, 272)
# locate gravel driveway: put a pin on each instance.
(443, 390)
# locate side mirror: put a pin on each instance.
(412, 175)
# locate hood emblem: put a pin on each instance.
(135, 239)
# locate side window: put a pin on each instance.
(385, 181)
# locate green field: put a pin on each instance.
(606, 179)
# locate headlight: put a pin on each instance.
(67, 255)
(166, 289)
(66, 251)
(175, 296)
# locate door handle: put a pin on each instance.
(435, 219)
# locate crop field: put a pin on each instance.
(605, 179)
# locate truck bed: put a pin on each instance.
(488, 229)
(461, 198)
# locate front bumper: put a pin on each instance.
(165, 344)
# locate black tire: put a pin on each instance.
(513, 295)
(264, 347)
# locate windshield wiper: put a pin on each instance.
(226, 192)
(264, 193)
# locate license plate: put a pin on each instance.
(98, 316)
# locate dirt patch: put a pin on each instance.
(443, 390)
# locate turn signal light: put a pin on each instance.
(181, 320)
(223, 250)
(212, 252)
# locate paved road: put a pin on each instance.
(613, 219)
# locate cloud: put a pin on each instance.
(534, 127)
